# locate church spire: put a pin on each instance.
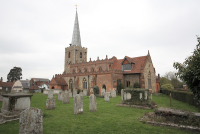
(76, 38)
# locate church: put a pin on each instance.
(106, 74)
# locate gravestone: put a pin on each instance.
(78, 104)
(74, 92)
(128, 96)
(92, 103)
(103, 91)
(84, 92)
(125, 96)
(59, 96)
(50, 104)
(106, 96)
(31, 121)
(70, 94)
(140, 95)
(81, 93)
(50, 94)
(113, 93)
(65, 98)
(145, 95)
(122, 94)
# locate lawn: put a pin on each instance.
(107, 119)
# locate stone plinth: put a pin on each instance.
(31, 121)
(15, 102)
(50, 104)
(106, 96)
(78, 104)
(92, 103)
(50, 94)
(65, 98)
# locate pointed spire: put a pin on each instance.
(76, 38)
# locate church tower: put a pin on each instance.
(75, 53)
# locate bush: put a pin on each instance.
(183, 96)
(96, 90)
(119, 88)
(167, 86)
(136, 85)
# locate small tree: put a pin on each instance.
(96, 89)
(14, 74)
(119, 88)
(189, 71)
(136, 85)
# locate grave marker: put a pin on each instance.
(92, 103)
(78, 104)
(106, 96)
(50, 104)
(31, 121)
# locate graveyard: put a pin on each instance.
(108, 118)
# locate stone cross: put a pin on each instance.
(65, 98)
(113, 93)
(92, 103)
(31, 121)
(103, 91)
(78, 104)
(74, 92)
(106, 96)
(122, 94)
(50, 104)
(50, 94)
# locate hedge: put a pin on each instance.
(183, 96)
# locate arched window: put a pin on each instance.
(84, 83)
(69, 55)
(100, 69)
(80, 54)
(70, 84)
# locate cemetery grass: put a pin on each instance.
(107, 119)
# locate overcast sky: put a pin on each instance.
(34, 33)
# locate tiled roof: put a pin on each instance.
(139, 62)
(6, 84)
(58, 81)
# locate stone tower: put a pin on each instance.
(75, 53)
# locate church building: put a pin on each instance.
(107, 73)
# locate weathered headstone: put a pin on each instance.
(128, 96)
(145, 95)
(103, 91)
(70, 94)
(81, 93)
(125, 96)
(122, 94)
(50, 104)
(60, 96)
(50, 94)
(78, 104)
(65, 98)
(106, 96)
(31, 121)
(84, 92)
(140, 95)
(74, 92)
(92, 103)
(113, 93)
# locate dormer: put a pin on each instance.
(127, 64)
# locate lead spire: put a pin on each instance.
(76, 38)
